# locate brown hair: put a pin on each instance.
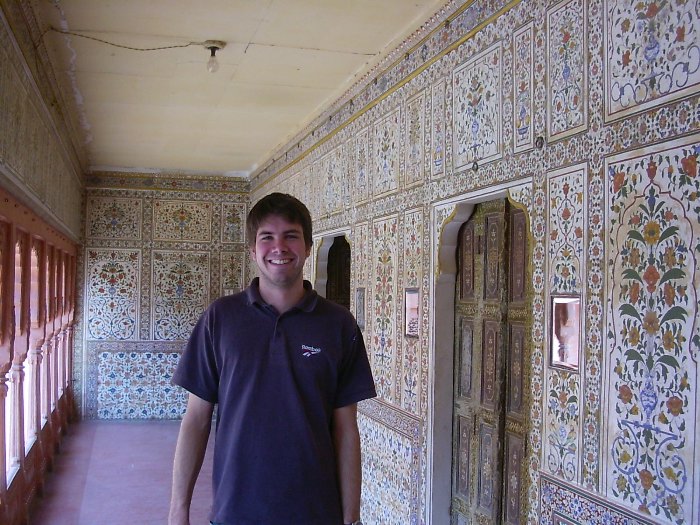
(283, 205)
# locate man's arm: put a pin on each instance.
(189, 455)
(346, 438)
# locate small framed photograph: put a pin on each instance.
(565, 332)
(360, 307)
(411, 304)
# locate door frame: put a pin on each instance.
(443, 264)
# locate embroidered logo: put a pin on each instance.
(310, 350)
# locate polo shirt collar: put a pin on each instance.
(307, 303)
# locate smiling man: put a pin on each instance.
(286, 368)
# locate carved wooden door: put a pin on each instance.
(490, 315)
(338, 283)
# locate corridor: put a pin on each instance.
(116, 473)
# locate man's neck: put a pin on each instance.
(282, 299)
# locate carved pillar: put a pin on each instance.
(3, 445)
(35, 358)
(46, 382)
(17, 416)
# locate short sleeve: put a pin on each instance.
(355, 381)
(197, 371)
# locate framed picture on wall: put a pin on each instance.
(411, 304)
(360, 307)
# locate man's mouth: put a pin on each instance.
(280, 261)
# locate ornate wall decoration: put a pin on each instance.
(232, 272)
(564, 504)
(363, 184)
(135, 383)
(563, 422)
(566, 68)
(383, 305)
(523, 81)
(112, 292)
(233, 216)
(386, 142)
(181, 221)
(653, 332)
(110, 218)
(393, 479)
(180, 292)
(652, 54)
(412, 278)
(437, 137)
(565, 248)
(477, 109)
(415, 141)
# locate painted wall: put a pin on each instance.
(586, 113)
(158, 250)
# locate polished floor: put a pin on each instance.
(114, 473)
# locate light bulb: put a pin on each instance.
(212, 64)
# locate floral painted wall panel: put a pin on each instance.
(111, 296)
(523, 85)
(386, 144)
(415, 142)
(653, 330)
(437, 138)
(477, 109)
(233, 217)
(363, 184)
(180, 292)
(652, 53)
(411, 361)
(109, 218)
(565, 248)
(181, 221)
(389, 455)
(135, 382)
(566, 273)
(384, 303)
(232, 272)
(566, 69)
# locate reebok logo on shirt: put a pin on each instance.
(310, 350)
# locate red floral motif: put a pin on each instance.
(652, 10)
(618, 180)
(690, 165)
(651, 277)
(675, 405)
(651, 170)
(634, 292)
(646, 478)
(669, 294)
(625, 394)
(680, 34)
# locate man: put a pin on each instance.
(286, 368)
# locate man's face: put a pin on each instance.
(280, 252)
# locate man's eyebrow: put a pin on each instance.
(292, 230)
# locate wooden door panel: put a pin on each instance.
(466, 342)
(514, 461)
(515, 369)
(488, 482)
(489, 364)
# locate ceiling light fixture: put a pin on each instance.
(213, 46)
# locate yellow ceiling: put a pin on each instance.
(284, 62)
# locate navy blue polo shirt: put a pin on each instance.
(276, 379)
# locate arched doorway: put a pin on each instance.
(338, 278)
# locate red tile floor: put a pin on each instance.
(114, 473)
